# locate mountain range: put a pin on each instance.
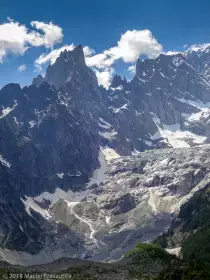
(88, 172)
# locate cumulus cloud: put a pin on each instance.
(16, 38)
(88, 51)
(133, 44)
(52, 34)
(105, 76)
(22, 68)
(100, 61)
(172, 53)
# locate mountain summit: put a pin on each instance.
(69, 66)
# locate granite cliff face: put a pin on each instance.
(165, 105)
(67, 188)
(199, 58)
(167, 102)
(42, 138)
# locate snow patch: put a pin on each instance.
(197, 104)
(108, 219)
(135, 152)
(184, 115)
(4, 162)
(31, 204)
(60, 175)
(149, 143)
(175, 137)
(163, 75)
(152, 201)
(15, 119)
(99, 174)
(164, 162)
(70, 196)
(141, 80)
(109, 153)
(177, 61)
(104, 124)
(54, 197)
(117, 110)
(77, 174)
(108, 135)
(124, 107)
(32, 124)
(120, 87)
(202, 115)
(21, 228)
(174, 251)
(7, 110)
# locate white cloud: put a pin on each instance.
(105, 76)
(100, 61)
(16, 38)
(88, 51)
(132, 69)
(172, 53)
(133, 44)
(52, 33)
(22, 68)
(52, 56)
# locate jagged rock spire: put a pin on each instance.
(79, 54)
(70, 66)
(118, 81)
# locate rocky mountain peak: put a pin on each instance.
(38, 81)
(69, 66)
(118, 82)
(143, 66)
(9, 94)
(163, 62)
(79, 54)
(200, 60)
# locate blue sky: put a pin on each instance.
(99, 25)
